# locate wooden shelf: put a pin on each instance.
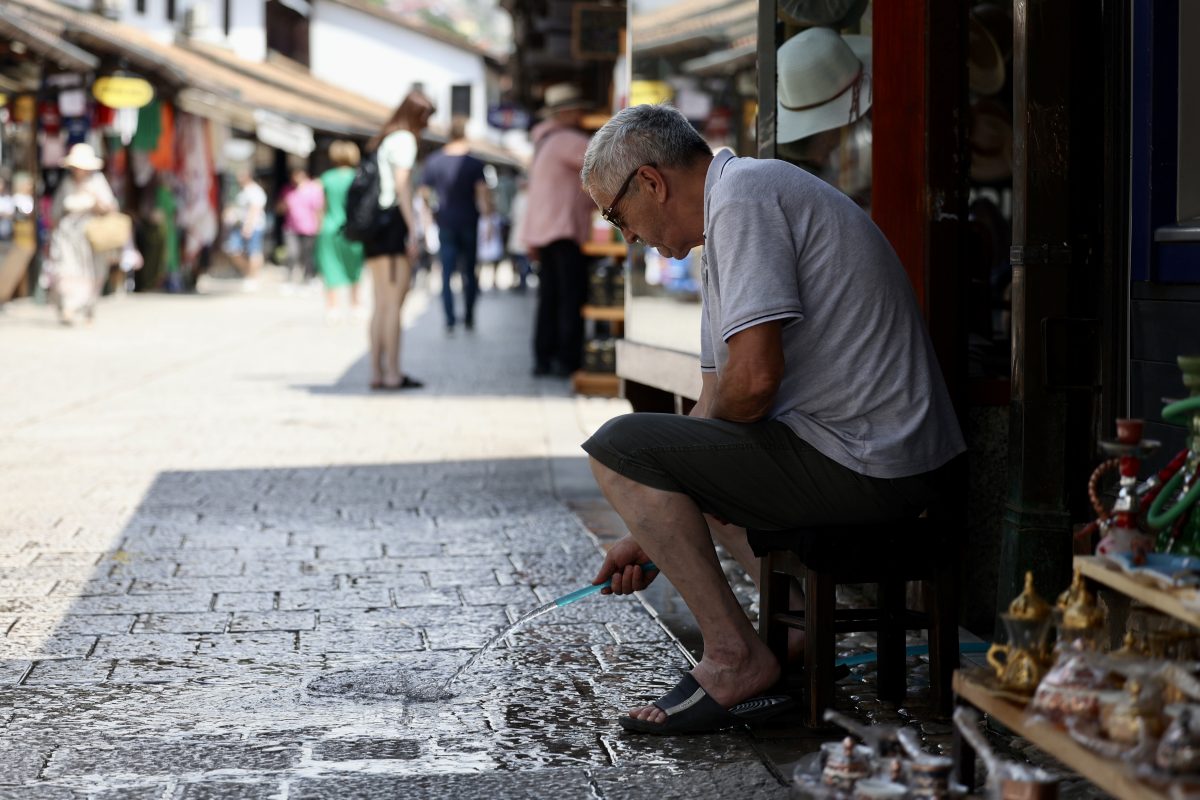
(604, 313)
(1101, 571)
(1104, 773)
(595, 384)
(603, 249)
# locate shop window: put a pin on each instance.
(460, 100)
(140, 6)
(171, 10)
(287, 32)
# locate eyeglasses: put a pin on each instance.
(610, 214)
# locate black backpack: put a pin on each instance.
(362, 202)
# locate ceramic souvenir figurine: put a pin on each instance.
(1122, 534)
(1179, 749)
(1080, 618)
(845, 764)
(1025, 657)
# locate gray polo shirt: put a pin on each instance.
(861, 382)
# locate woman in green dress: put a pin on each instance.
(339, 260)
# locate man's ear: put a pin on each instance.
(653, 182)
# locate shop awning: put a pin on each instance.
(18, 27)
(693, 25)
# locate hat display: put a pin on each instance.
(824, 82)
(82, 156)
(561, 96)
(991, 142)
(989, 45)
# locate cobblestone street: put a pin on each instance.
(205, 511)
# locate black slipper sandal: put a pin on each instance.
(405, 383)
(689, 709)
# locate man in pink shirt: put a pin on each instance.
(303, 204)
(557, 221)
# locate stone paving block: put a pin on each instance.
(153, 791)
(55, 645)
(144, 645)
(229, 790)
(168, 757)
(235, 583)
(14, 560)
(344, 549)
(492, 617)
(459, 636)
(12, 670)
(331, 566)
(81, 671)
(38, 587)
(515, 595)
(44, 624)
(424, 598)
(210, 670)
(445, 578)
(248, 645)
(384, 580)
(572, 783)
(634, 782)
(41, 791)
(7, 621)
(572, 635)
(34, 605)
(460, 564)
(246, 621)
(143, 567)
(210, 622)
(244, 601)
(347, 598)
(89, 587)
(68, 559)
(367, 749)
(203, 567)
(646, 630)
(164, 602)
(381, 640)
(22, 763)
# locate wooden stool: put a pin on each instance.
(887, 554)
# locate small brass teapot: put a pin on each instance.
(1080, 618)
(1025, 658)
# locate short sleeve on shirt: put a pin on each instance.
(751, 242)
(399, 150)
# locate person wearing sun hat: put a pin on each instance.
(821, 398)
(558, 220)
(78, 273)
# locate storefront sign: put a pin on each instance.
(122, 91)
(279, 132)
(650, 92)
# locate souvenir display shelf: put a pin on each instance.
(969, 687)
(974, 687)
(601, 384)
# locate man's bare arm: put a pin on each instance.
(708, 387)
(748, 384)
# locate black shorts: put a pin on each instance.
(391, 234)
(759, 475)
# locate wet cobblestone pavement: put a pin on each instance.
(227, 571)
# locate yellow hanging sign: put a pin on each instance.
(121, 91)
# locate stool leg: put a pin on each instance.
(891, 668)
(820, 603)
(773, 598)
(943, 635)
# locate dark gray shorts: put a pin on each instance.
(759, 475)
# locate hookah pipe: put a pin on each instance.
(1158, 516)
(1147, 491)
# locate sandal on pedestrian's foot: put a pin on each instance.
(689, 709)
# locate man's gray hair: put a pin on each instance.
(650, 134)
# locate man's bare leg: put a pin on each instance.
(670, 528)
(733, 539)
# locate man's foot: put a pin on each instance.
(727, 685)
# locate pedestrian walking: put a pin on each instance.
(557, 222)
(77, 272)
(393, 248)
(301, 203)
(247, 227)
(461, 199)
(338, 259)
(821, 397)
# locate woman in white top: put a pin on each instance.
(392, 251)
(78, 272)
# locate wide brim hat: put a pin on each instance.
(82, 156)
(989, 45)
(824, 82)
(561, 97)
(991, 141)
